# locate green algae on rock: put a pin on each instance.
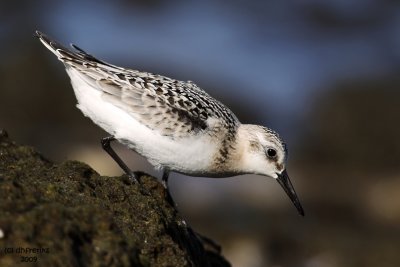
(68, 215)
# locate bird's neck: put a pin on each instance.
(234, 161)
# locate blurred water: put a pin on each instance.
(271, 55)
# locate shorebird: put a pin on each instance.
(175, 125)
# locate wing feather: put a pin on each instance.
(171, 107)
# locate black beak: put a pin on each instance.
(284, 181)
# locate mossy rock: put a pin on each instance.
(68, 215)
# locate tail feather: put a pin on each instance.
(80, 64)
(66, 55)
(56, 48)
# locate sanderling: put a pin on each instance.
(175, 125)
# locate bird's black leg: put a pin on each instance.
(164, 178)
(106, 144)
(164, 181)
(169, 198)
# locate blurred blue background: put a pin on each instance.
(324, 74)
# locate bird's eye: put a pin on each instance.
(271, 153)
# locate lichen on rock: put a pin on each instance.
(68, 215)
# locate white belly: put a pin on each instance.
(191, 156)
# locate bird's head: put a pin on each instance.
(265, 153)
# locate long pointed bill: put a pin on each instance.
(284, 181)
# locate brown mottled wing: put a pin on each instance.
(173, 108)
(156, 103)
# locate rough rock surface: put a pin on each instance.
(68, 215)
